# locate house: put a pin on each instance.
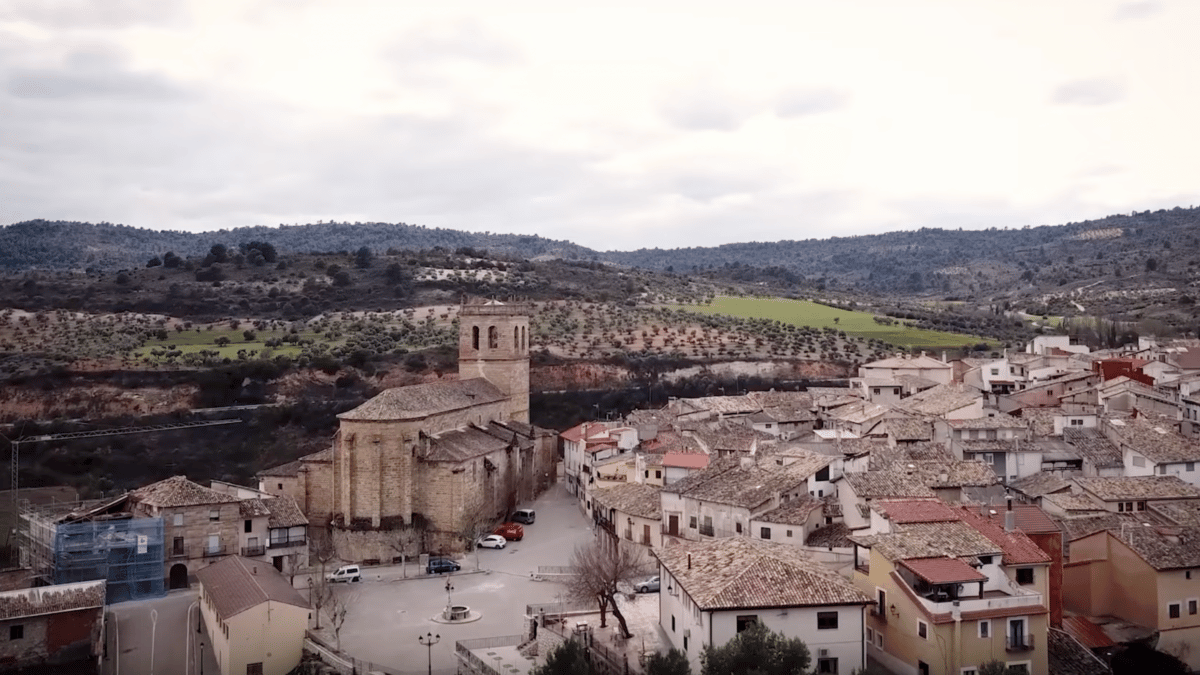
(1071, 387)
(1131, 494)
(858, 417)
(1032, 488)
(308, 481)
(1141, 573)
(792, 522)
(274, 530)
(1153, 447)
(1098, 455)
(856, 490)
(919, 366)
(712, 590)
(57, 628)
(721, 500)
(952, 591)
(254, 617)
(1046, 344)
(584, 440)
(630, 511)
(1048, 536)
(951, 401)
(200, 524)
(678, 465)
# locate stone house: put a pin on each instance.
(631, 512)
(58, 628)
(919, 366)
(1153, 447)
(274, 529)
(1132, 494)
(712, 590)
(200, 525)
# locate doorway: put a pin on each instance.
(179, 576)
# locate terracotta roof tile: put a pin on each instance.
(421, 400)
(916, 510)
(738, 572)
(1121, 488)
(285, 512)
(635, 499)
(1066, 656)
(685, 460)
(1086, 632)
(943, 570)
(1094, 447)
(794, 512)
(179, 491)
(236, 584)
(1017, 548)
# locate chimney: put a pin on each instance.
(689, 561)
(1010, 518)
(746, 461)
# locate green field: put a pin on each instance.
(805, 313)
(190, 341)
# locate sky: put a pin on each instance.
(615, 125)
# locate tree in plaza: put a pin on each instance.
(601, 567)
(673, 662)
(758, 650)
(569, 658)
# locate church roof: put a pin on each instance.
(469, 442)
(422, 400)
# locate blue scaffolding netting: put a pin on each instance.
(127, 553)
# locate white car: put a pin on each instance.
(492, 541)
(345, 573)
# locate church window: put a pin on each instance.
(475, 337)
(493, 338)
(524, 338)
(516, 337)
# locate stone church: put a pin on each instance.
(438, 456)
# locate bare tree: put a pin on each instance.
(319, 590)
(339, 607)
(476, 522)
(601, 566)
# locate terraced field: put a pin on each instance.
(805, 313)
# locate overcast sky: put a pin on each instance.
(617, 125)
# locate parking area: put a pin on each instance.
(388, 611)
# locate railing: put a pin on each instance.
(462, 650)
(1018, 643)
(210, 551)
(287, 542)
(253, 551)
(880, 613)
(178, 552)
(972, 604)
(706, 530)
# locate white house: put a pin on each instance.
(1153, 448)
(713, 590)
(919, 366)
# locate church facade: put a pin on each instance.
(440, 457)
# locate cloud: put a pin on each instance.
(92, 14)
(702, 108)
(89, 74)
(1089, 92)
(460, 41)
(799, 102)
(1137, 10)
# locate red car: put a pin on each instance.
(510, 531)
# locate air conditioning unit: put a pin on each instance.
(822, 653)
(687, 632)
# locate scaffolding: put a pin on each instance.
(126, 552)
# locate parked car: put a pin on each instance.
(526, 516)
(510, 531)
(344, 573)
(648, 586)
(491, 541)
(441, 566)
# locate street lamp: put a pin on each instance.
(201, 657)
(429, 640)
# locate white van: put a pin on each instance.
(345, 573)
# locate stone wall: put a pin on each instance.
(195, 530)
(31, 647)
(360, 545)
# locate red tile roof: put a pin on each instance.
(1017, 548)
(944, 570)
(685, 460)
(1089, 634)
(1030, 519)
(917, 510)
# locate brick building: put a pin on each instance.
(438, 456)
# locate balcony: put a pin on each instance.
(286, 543)
(880, 614)
(706, 530)
(254, 551)
(213, 551)
(1018, 643)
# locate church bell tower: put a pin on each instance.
(493, 343)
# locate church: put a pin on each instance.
(437, 457)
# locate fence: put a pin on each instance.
(346, 665)
(467, 658)
(561, 608)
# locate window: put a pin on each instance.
(827, 620)
(922, 630)
(995, 371)
(657, 473)
(1173, 610)
(985, 560)
(1024, 575)
(789, 534)
(1138, 460)
(985, 629)
(177, 520)
(879, 639)
(737, 527)
(280, 486)
(248, 527)
(1141, 506)
(1190, 466)
(672, 623)
(254, 668)
(875, 391)
(1076, 423)
(16, 631)
(475, 337)
(765, 532)
(1192, 606)
(1187, 574)
(177, 546)
(827, 665)
(870, 636)
(1162, 469)
(745, 621)
(969, 671)
(493, 338)
(1018, 669)
(822, 475)
(692, 522)
(214, 514)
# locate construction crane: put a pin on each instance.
(16, 444)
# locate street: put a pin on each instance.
(156, 636)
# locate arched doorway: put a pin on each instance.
(179, 576)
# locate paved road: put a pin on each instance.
(156, 636)
(388, 612)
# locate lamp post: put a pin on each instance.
(429, 640)
(201, 657)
